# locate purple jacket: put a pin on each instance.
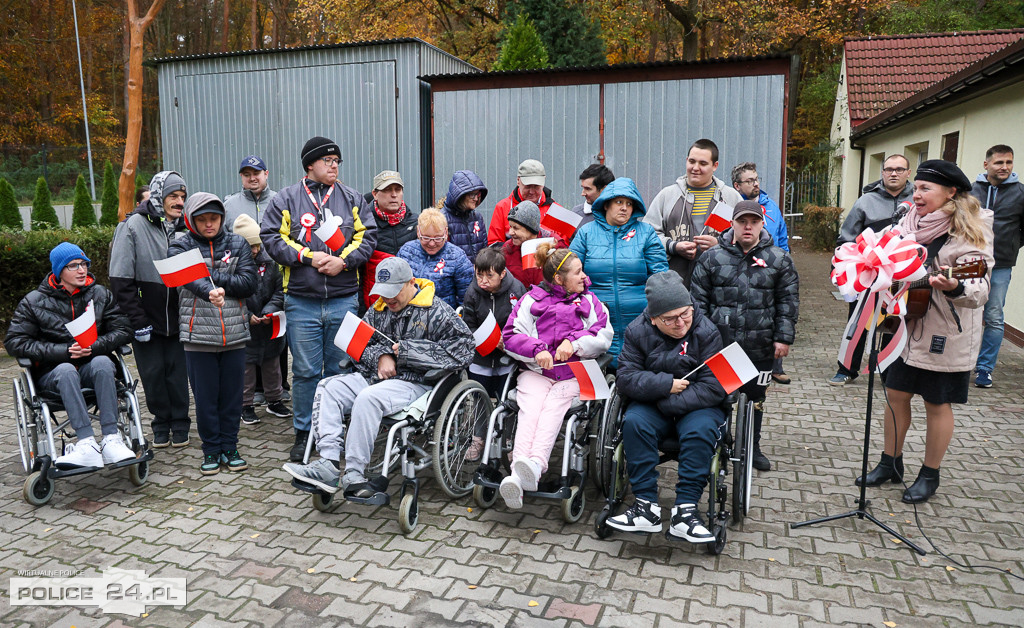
(546, 316)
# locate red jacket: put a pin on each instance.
(498, 230)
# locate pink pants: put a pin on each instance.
(542, 405)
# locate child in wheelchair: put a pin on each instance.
(661, 346)
(557, 321)
(63, 365)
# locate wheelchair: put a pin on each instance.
(37, 425)
(581, 419)
(434, 431)
(733, 455)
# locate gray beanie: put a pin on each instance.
(666, 292)
(527, 214)
(173, 183)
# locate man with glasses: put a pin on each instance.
(749, 288)
(747, 182)
(320, 282)
(878, 208)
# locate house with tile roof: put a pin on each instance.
(934, 96)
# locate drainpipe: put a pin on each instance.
(600, 123)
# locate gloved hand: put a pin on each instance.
(143, 335)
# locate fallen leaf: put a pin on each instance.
(181, 481)
(353, 578)
(533, 603)
(892, 514)
(310, 570)
(190, 509)
(48, 529)
(536, 531)
(254, 535)
(950, 568)
(771, 560)
(469, 510)
(145, 614)
(906, 521)
(473, 586)
(896, 541)
(890, 624)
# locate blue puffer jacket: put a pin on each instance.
(466, 230)
(449, 269)
(620, 259)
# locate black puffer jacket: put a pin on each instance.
(650, 360)
(268, 298)
(756, 295)
(480, 302)
(37, 330)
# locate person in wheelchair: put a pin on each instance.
(61, 365)
(429, 341)
(661, 346)
(558, 320)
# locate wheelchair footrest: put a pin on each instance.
(550, 490)
(307, 488)
(376, 499)
(374, 492)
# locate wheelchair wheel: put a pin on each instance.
(323, 502)
(721, 534)
(601, 526)
(485, 496)
(139, 473)
(38, 489)
(408, 513)
(572, 506)
(743, 454)
(26, 434)
(607, 449)
(466, 405)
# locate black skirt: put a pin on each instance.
(933, 386)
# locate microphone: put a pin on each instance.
(901, 211)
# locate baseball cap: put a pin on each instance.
(391, 275)
(747, 207)
(254, 162)
(385, 178)
(531, 172)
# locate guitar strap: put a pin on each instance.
(934, 246)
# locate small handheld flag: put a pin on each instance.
(487, 336)
(732, 367)
(353, 336)
(279, 324)
(592, 383)
(720, 218)
(182, 268)
(83, 328)
(562, 221)
(529, 250)
(330, 233)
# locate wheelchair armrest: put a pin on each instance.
(604, 360)
(25, 363)
(125, 349)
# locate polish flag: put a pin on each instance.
(732, 367)
(330, 233)
(529, 249)
(592, 383)
(720, 219)
(488, 335)
(279, 324)
(353, 336)
(182, 268)
(83, 328)
(562, 221)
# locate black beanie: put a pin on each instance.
(316, 148)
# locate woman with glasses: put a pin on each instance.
(433, 257)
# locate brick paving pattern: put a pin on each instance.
(255, 553)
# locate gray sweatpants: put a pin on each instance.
(99, 374)
(368, 405)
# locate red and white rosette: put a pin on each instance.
(864, 270)
(307, 221)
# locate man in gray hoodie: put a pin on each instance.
(999, 189)
(255, 195)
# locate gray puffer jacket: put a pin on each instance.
(204, 326)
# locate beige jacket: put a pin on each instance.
(948, 337)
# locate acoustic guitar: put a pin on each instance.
(919, 292)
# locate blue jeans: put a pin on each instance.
(643, 429)
(312, 325)
(992, 337)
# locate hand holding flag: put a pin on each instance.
(720, 218)
(279, 324)
(182, 268)
(731, 367)
(83, 328)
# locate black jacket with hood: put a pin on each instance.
(480, 302)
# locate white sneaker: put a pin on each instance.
(512, 492)
(687, 524)
(114, 449)
(528, 471)
(642, 516)
(82, 454)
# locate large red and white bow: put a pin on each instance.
(864, 270)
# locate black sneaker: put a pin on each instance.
(642, 516)
(179, 439)
(210, 464)
(760, 461)
(298, 450)
(249, 415)
(278, 408)
(687, 524)
(234, 461)
(161, 440)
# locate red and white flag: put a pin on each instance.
(720, 219)
(488, 335)
(330, 233)
(353, 336)
(529, 250)
(279, 324)
(83, 328)
(732, 367)
(182, 268)
(592, 383)
(562, 221)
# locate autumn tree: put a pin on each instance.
(521, 47)
(570, 36)
(10, 215)
(44, 216)
(83, 214)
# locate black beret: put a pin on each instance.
(944, 173)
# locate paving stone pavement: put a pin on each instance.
(255, 553)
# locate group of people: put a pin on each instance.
(654, 286)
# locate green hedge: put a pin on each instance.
(821, 226)
(25, 260)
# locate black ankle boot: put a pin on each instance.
(888, 470)
(924, 487)
(299, 448)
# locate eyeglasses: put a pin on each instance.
(74, 266)
(749, 181)
(895, 170)
(431, 239)
(678, 318)
(331, 161)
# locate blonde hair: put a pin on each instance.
(552, 261)
(965, 219)
(431, 217)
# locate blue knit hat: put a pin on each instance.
(63, 254)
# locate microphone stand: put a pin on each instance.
(861, 511)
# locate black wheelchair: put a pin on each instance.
(38, 426)
(733, 455)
